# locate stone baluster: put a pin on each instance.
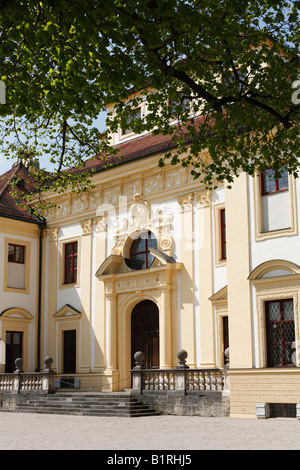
(17, 375)
(48, 376)
(137, 379)
(181, 371)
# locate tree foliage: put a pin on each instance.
(234, 61)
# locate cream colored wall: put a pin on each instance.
(273, 260)
(20, 304)
(192, 294)
(185, 308)
(192, 299)
(238, 269)
(98, 298)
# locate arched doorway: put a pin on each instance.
(145, 333)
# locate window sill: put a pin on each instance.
(16, 290)
(289, 231)
(221, 262)
(69, 286)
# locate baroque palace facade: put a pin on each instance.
(151, 261)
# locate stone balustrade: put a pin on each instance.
(181, 379)
(18, 381)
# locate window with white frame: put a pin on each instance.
(16, 266)
(137, 115)
(275, 200)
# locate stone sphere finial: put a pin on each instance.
(182, 355)
(19, 365)
(48, 362)
(139, 358)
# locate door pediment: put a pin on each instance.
(116, 264)
(111, 265)
(67, 311)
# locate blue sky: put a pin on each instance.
(6, 164)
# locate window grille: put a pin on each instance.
(282, 410)
(280, 333)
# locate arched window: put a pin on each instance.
(140, 256)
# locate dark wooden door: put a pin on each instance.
(145, 333)
(69, 366)
(14, 349)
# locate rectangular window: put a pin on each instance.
(16, 253)
(275, 181)
(137, 115)
(280, 328)
(275, 200)
(70, 262)
(223, 234)
(16, 272)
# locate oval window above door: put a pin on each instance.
(140, 256)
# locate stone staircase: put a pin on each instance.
(84, 404)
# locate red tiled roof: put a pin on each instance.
(8, 204)
(135, 148)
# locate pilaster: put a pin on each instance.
(52, 289)
(112, 334)
(187, 314)
(85, 283)
(165, 337)
(204, 275)
(100, 240)
(238, 269)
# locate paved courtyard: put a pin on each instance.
(57, 432)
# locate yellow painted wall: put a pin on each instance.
(20, 305)
(248, 387)
(238, 269)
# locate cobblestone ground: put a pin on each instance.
(56, 432)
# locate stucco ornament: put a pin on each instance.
(138, 221)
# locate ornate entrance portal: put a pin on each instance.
(140, 279)
(145, 333)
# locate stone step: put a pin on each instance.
(70, 406)
(107, 413)
(84, 412)
(78, 403)
(85, 404)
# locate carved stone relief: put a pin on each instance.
(100, 223)
(80, 203)
(53, 234)
(203, 197)
(140, 220)
(186, 201)
(86, 226)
